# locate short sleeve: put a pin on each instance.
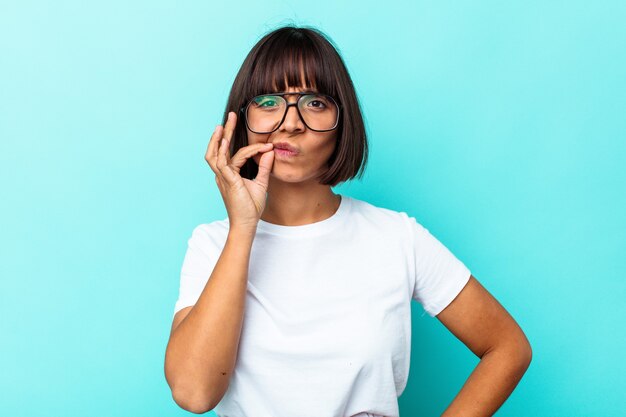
(439, 275)
(203, 250)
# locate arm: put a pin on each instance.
(202, 350)
(477, 319)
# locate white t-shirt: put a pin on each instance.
(327, 321)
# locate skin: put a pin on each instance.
(293, 197)
(202, 350)
(477, 319)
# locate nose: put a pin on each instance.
(292, 121)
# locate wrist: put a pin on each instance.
(241, 232)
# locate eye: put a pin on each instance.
(266, 101)
(315, 102)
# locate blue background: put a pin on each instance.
(499, 125)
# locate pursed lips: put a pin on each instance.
(287, 148)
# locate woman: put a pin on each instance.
(298, 303)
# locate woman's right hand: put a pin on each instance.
(244, 199)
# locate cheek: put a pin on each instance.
(328, 148)
(256, 138)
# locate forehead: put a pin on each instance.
(290, 82)
(290, 89)
(291, 71)
(282, 71)
(285, 87)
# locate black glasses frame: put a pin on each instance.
(300, 94)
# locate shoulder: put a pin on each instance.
(381, 217)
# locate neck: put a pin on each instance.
(291, 204)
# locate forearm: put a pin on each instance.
(202, 351)
(490, 383)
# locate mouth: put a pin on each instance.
(286, 148)
(284, 153)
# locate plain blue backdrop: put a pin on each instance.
(499, 125)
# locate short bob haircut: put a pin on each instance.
(278, 61)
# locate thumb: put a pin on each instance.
(265, 166)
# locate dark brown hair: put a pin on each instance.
(302, 56)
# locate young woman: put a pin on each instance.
(298, 303)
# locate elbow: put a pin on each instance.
(521, 354)
(516, 352)
(527, 355)
(524, 358)
(525, 350)
(190, 394)
(193, 402)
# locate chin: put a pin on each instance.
(291, 177)
(285, 178)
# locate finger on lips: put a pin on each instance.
(251, 150)
(219, 145)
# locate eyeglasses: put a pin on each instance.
(265, 113)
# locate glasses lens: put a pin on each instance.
(265, 113)
(319, 111)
